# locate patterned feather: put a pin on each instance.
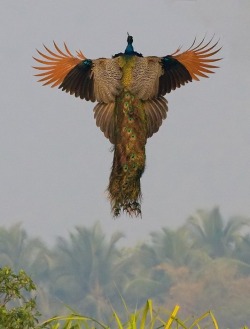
(129, 90)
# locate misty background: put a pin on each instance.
(55, 163)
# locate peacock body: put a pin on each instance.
(129, 90)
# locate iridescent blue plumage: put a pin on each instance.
(129, 51)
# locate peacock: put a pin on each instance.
(129, 90)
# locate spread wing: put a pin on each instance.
(100, 79)
(153, 77)
(55, 66)
(85, 78)
(181, 68)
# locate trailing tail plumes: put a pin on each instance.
(129, 90)
(129, 155)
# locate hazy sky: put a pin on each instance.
(55, 163)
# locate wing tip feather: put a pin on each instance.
(196, 57)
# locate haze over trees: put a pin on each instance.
(205, 264)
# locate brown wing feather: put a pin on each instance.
(56, 66)
(197, 59)
(181, 68)
(145, 77)
(156, 111)
(98, 79)
(104, 115)
(107, 79)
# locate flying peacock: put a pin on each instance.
(129, 90)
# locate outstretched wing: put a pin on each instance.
(153, 77)
(56, 65)
(181, 68)
(85, 78)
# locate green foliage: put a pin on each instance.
(17, 308)
(72, 321)
(85, 269)
(146, 317)
(13, 287)
(143, 318)
(209, 232)
(202, 265)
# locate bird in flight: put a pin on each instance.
(129, 90)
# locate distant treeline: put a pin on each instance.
(203, 265)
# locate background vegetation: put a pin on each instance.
(203, 265)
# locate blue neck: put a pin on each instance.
(129, 49)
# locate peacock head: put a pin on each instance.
(129, 39)
(129, 49)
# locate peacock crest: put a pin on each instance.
(129, 90)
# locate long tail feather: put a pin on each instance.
(129, 156)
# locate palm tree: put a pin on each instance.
(144, 279)
(208, 232)
(153, 267)
(18, 251)
(242, 249)
(171, 246)
(87, 270)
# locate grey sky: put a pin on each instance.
(55, 162)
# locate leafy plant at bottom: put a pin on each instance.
(147, 317)
(17, 308)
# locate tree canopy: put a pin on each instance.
(204, 264)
